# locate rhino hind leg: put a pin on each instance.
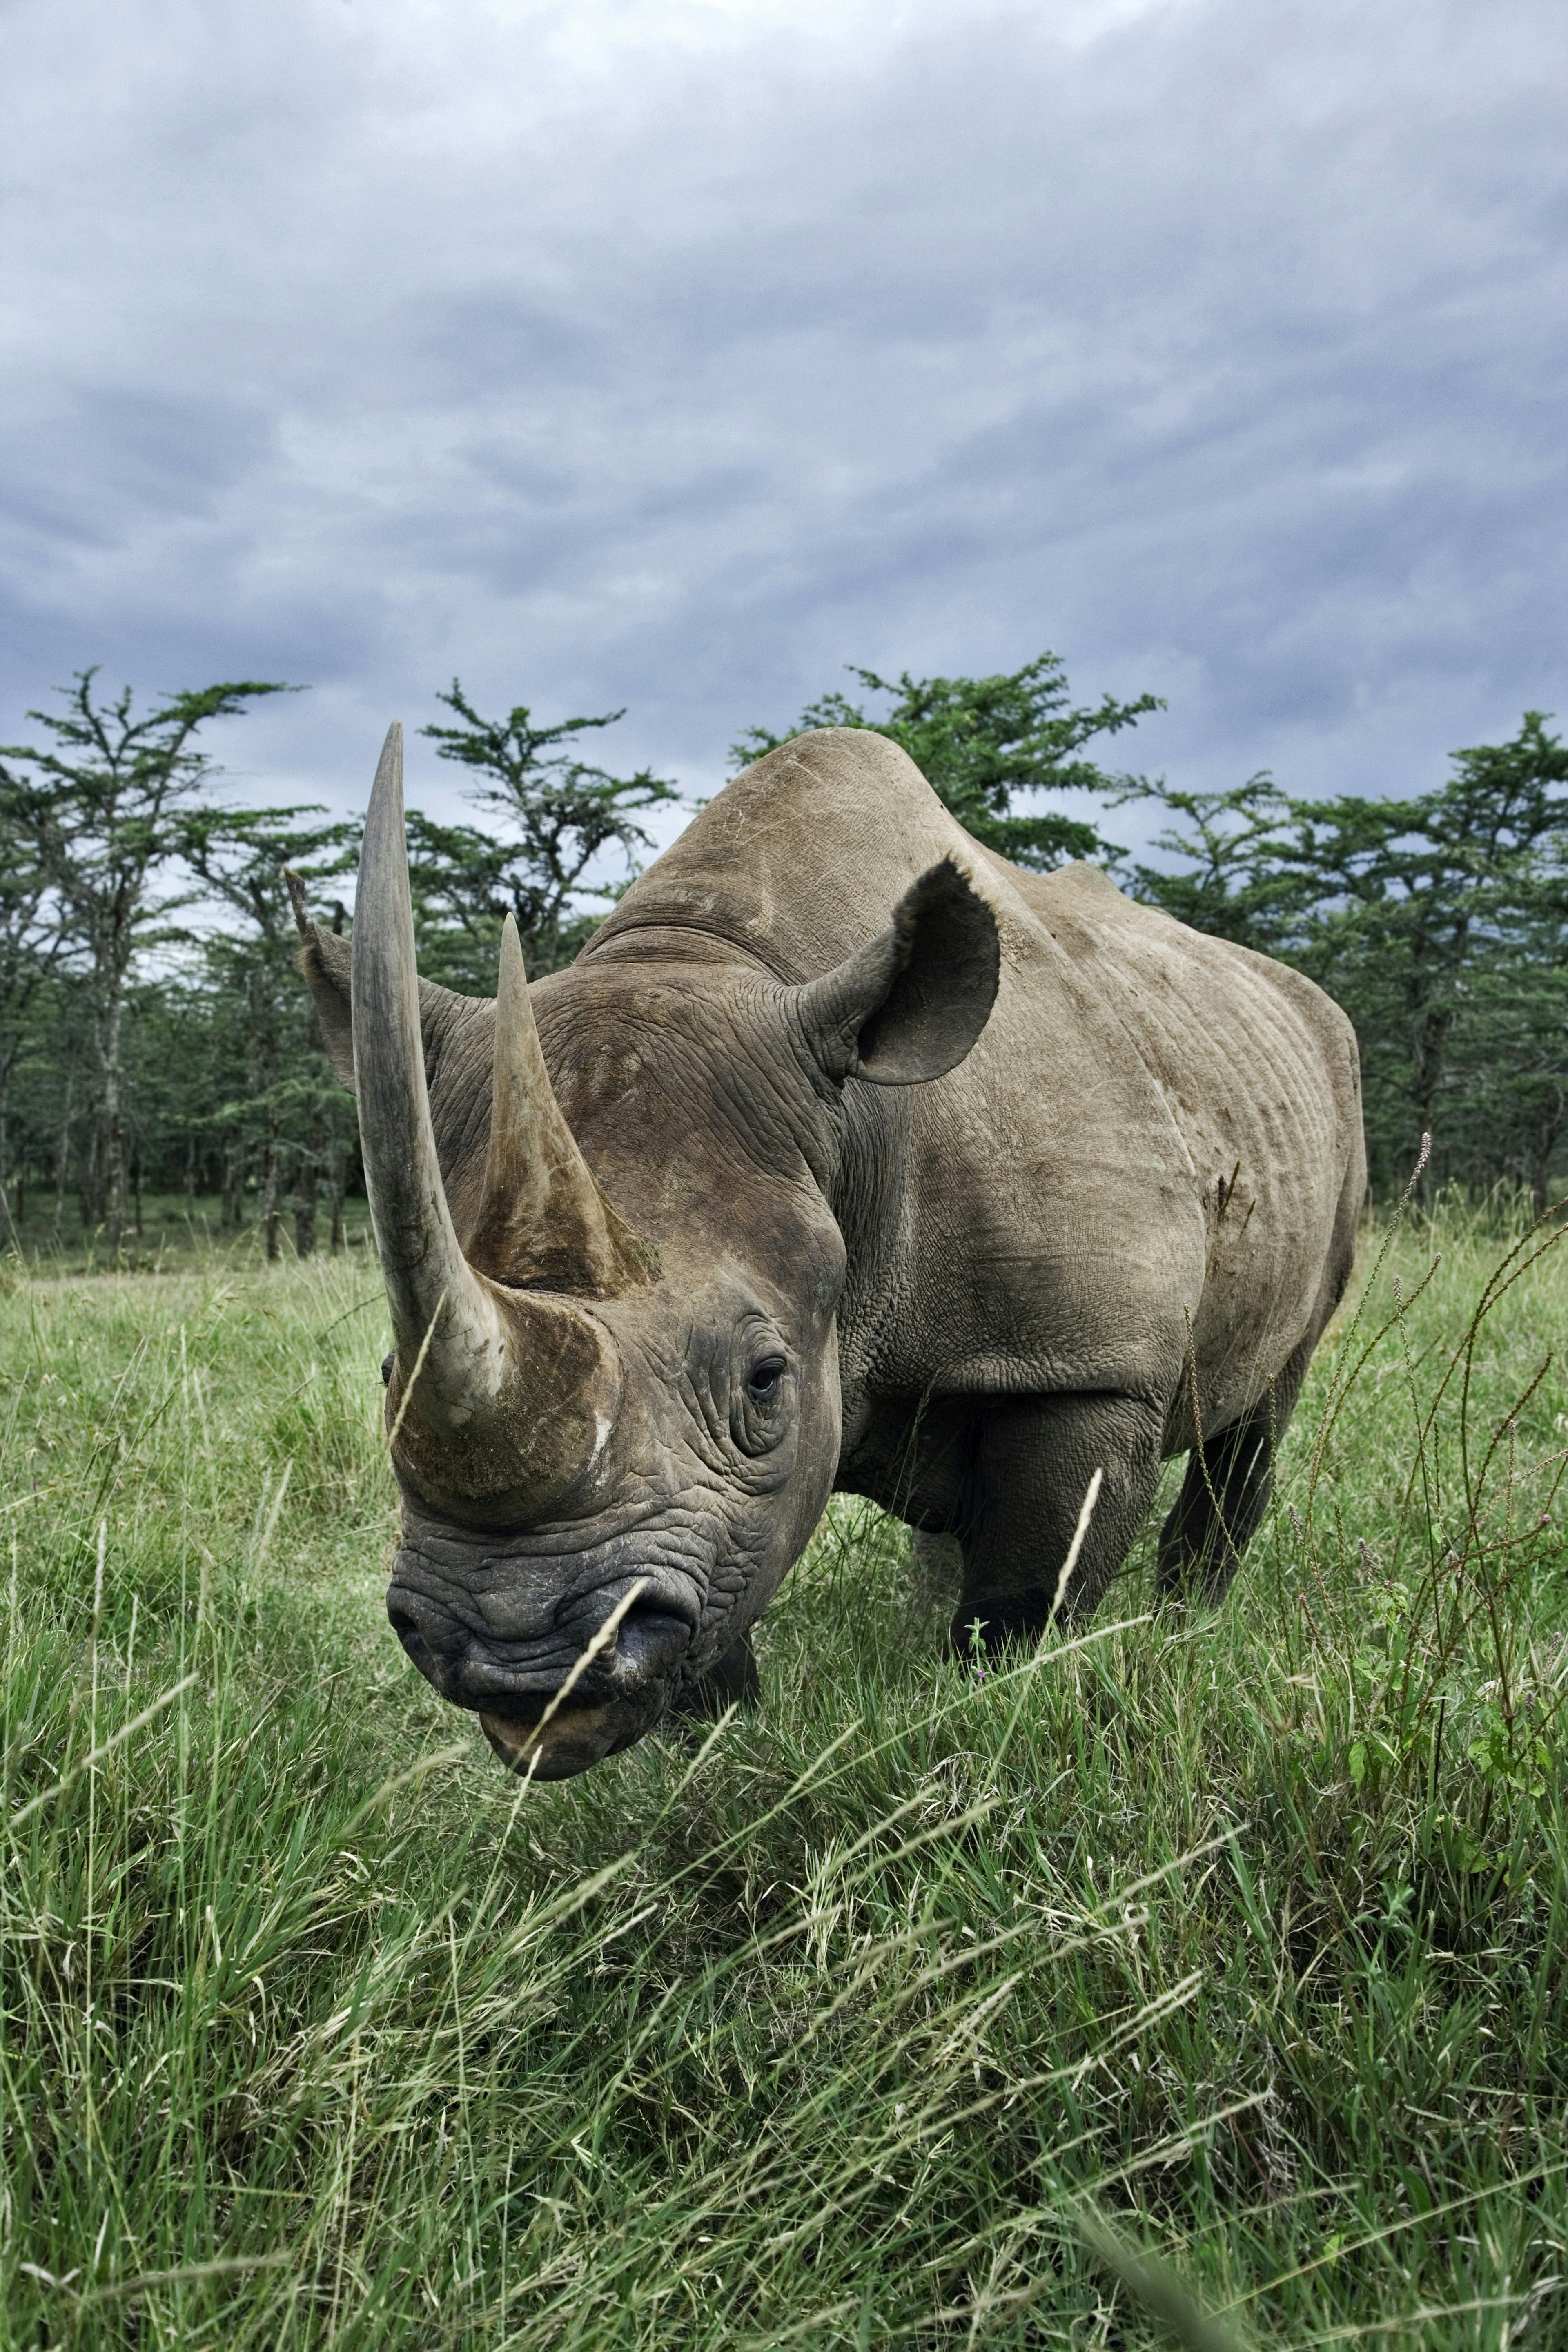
(1225, 1495)
(1033, 1462)
(731, 1681)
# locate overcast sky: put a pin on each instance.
(675, 352)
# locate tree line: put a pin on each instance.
(154, 1034)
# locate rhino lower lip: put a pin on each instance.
(503, 1732)
(515, 1743)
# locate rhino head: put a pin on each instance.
(613, 1401)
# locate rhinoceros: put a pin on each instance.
(846, 1155)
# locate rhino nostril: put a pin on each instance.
(413, 1640)
(650, 1640)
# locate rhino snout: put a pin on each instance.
(512, 1684)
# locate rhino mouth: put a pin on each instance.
(573, 1740)
(574, 1693)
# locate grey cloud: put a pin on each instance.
(1222, 350)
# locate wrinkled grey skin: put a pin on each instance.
(1118, 1225)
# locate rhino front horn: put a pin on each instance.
(500, 1397)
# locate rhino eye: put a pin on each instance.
(762, 1381)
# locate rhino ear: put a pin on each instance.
(326, 961)
(909, 1006)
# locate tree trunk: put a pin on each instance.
(63, 1150)
(231, 1216)
(269, 1212)
(91, 1173)
(335, 1179)
(114, 1167)
(114, 1183)
(191, 1174)
(5, 1070)
(306, 1185)
(1544, 1153)
(136, 1190)
(4, 1195)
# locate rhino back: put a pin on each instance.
(1046, 1215)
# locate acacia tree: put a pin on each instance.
(243, 858)
(1237, 881)
(26, 949)
(558, 815)
(1439, 921)
(983, 742)
(101, 810)
(1434, 927)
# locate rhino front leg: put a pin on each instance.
(1031, 1469)
(1225, 1493)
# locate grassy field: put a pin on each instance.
(1245, 1934)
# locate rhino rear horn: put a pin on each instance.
(543, 1218)
(909, 1005)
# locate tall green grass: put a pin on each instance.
(920, 2008)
